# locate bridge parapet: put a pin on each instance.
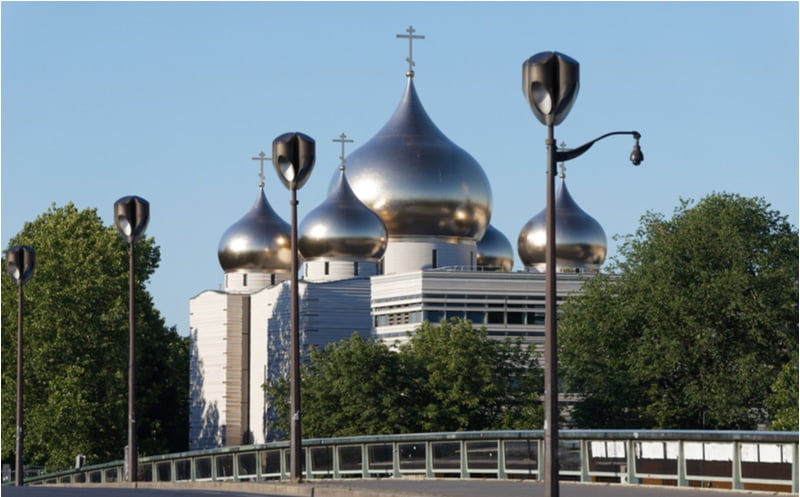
(751, 460)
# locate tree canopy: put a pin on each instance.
(698, 320)
(447, 377)
(75, 339)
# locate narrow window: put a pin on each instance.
(434, 258)
(355, 268)
(327, 267)
(244, 279)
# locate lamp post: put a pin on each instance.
(20, 262)
(131, 215)
(550, 81)
(293, 156)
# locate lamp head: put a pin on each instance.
(293, 156)
(550, 81)
(636, 155)
(20, 262)
(131, 215)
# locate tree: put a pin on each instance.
(465, 380)
(352, 387)
(448, 377)
(698, 319)
(76, 342)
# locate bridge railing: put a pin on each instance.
(755, 460)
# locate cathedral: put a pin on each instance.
(403, 237)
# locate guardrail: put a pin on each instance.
(751, 460)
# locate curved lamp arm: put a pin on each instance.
(636, 156)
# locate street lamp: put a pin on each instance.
(293, 156)
(131, 215)
(550, 81)
(20, 262)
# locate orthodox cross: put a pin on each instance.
(342, 139)
(261, 158)
(410, 59)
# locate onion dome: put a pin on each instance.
(258, 242)
(420, 183)
(580, 240)
(342, 228)
(494, 250)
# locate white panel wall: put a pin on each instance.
(404, 255)
(207, 329)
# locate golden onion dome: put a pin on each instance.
(342, 228)
(580, 240)
(259, 241)
(421, 184)
(494, 251)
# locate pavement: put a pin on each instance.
(371, 488)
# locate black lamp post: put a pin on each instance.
(550, 81)
(20, 262)
(293, 156)
(131, 215)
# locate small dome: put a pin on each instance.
(420, 183)
(494, 250)
(342, 228)
(580, 240)
(259, 241)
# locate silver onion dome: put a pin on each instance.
(342, 228)
(259, 241)
(580, 240)
(494, 251)
(419, 182)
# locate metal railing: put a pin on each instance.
(755, 460)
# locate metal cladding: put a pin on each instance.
(420, 183)
(342, 228)
(494, 251)
(580, 240)
(259, 241)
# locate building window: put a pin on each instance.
(272, 279)
(515, 318)
(244, 279)
(454, 314)
(434, 316)
(355, 269)
(536, 318)
(477, 317)
(495, 317)
(434, 259)
(327, 268)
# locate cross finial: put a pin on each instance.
(261, 158)
(410, 59)
(342, 139)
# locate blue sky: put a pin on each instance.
(169, 101)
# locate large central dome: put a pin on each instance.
(420, 183)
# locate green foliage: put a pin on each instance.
(782, 401)
(448, 377)
(465, 380)
(75, 339)
(692, 330)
